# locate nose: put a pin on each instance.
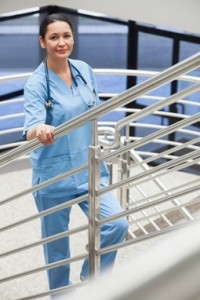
(61, 41)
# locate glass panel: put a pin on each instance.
(154, 54)
(103, 44)
(19, 50)
(188, 49)
(19, 44)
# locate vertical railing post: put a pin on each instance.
(125, 173)
(94, 205)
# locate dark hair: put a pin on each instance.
(51, 19)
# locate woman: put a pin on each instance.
(55, 93)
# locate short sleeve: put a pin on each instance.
(34, 107)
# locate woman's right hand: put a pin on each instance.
(43, 132)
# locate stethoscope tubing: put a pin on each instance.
(49, 101)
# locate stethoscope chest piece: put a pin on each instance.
(49, 104)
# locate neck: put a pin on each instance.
(58, 66)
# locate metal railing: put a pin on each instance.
(139, 175)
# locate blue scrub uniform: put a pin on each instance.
(67, 153)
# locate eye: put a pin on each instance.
(53, 37)
(67, 36)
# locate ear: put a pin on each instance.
(42, 42)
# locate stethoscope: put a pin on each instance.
(75, 77)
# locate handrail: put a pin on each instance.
(120, 100)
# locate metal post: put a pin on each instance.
(94, 206)
(125, 173)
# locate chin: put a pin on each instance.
(61, 56)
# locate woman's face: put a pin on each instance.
(58, 41)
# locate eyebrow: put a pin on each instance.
(56, 33)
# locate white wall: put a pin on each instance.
(175, 14)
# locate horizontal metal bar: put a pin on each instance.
(158, 105)
(141, 73)
(180, 130)
(133, 241)
(46, 267)
(55, 291)
(45, 240)
(186, 145)
(157, 214)
(149, 204)
(45, 212)
(42, 184)
(162, 169)
(146, 111)
(15, 77)
(12, 116)
(168, 191)
(101, 71)
(12, 145)
(150, 137)
(11, 101)
(11, 130)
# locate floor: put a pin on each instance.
(15, 178)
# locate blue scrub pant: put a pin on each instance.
(111, 233)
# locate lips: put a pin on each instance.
(62, 51)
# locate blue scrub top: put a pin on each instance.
(71, 150)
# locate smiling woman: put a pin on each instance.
(58, 42)
(70, 87)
